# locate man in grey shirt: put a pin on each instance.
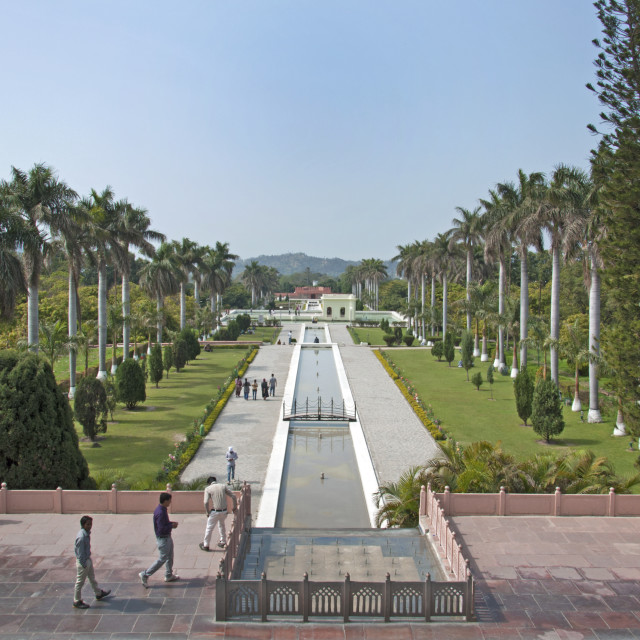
(84, 566)
(217, 495)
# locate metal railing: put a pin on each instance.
(258, 599)
(319, 410)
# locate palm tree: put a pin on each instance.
(161, 278)
(398, 502)
(443, 260)
(404, 268)
(105, 214)
(13, 234)
(75, 237)
(133, 229)
(185, 258)
(216, 267)
(115, 320)
(560, 204)
(54, 340)
(497, 248)
(38, 197)
(521, 202)
(467, 231)
(252, 279)
(482, 301)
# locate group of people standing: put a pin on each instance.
(267, 388)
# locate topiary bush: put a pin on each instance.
(38, 442)
(546, 416)
(408, 340)
(437, 351)
(389, 339)
(130, 384)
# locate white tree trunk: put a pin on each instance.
(555, 310)
(33, 326)
(594, 343)
(469, 261)
(500, 354)
(126, 312)
(160, 319)
(423, 323)
(433, 302)
(73, 331)
(183, 306)
(102, 321)
(621, 429)
(444, 306)
(524, 306)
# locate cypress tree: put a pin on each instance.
(449, 351)
(155, 365)
(90, 407)
(466, 351)
(523, 390)
(130, 383)
(546, 416)
(38, 442)
(167, 360)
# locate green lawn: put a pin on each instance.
(262, 334)
(61, 369)
(372, 336)
(469, 415)
(139, 440)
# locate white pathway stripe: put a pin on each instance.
(395, 436)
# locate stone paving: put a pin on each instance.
(547, 578)
(397, 439)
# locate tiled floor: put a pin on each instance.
(546, 578)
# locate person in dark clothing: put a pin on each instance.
(163, 528)
(246, 386)
(265, 389)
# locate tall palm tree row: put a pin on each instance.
(560, 214)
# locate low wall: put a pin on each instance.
(112, 501)
(536, 504)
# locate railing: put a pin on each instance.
(258, 599)
(445, 539)
(236, 543)
(305, 410)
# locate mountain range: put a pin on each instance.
(288, 263)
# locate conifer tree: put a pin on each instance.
(155, 365)
(546, 416)
(523, 390)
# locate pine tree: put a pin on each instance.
(616, 166)
(449, 348)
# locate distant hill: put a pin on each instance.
(288, 263)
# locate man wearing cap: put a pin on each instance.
(217, 494)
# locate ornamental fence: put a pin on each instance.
(259, 599)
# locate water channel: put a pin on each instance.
(321, 485)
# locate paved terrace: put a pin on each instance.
(538, 577)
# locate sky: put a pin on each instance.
(337, 128)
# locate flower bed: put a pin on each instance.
(424, 413)
(178, 460)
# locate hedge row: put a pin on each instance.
(177, 462)
(412, 399)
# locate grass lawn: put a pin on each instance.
(138, 441)
(469, 415)
(61, 369)
(372, 336)
(263, 334)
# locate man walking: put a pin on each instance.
(272, 385)
(217, 493)
(84, 566)
(231, 456)
(162, 527)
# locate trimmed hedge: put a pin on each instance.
(177, 462)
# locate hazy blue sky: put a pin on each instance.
(334, 127)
